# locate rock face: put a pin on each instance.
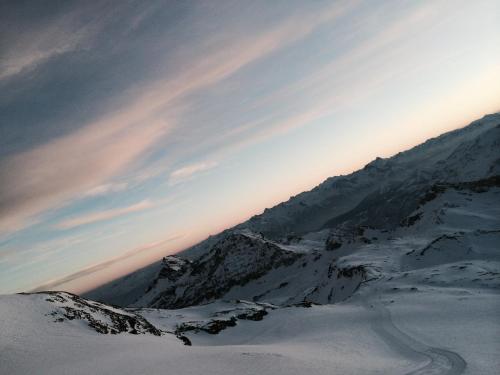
(249, 267)
(234, 261)
(101, 318)
(242, 310)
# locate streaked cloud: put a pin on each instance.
(187, 172)
(106, 189)
(92, 269)
(68, 31)
(94, 217)
(52, 174)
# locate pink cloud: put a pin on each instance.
(63, 169)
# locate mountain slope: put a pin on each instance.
(72, 312)
(381, 196)
(249, 267)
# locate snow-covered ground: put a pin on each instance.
(446, 331)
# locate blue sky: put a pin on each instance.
(132, 129)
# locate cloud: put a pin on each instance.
(338, 84)
(41, 33)
(52, 174)
(49, 175)
(50, 285)
(106, 189)
(103, 215)
(188, 171)
(68, 31)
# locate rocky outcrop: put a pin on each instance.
(233, 261)
(101, 318)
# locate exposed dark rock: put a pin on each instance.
(350, 272)
(477, 186)
(409, 221)
(185, 340)
(304, 303)
(435, 241)
(282, 285)
(213, 327)
(233, 261)
(102, 318)
(332, 244)
(255, 315)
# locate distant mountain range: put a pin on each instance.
(385, 195)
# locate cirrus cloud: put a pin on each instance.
(50, 175)
(94, 217)
(187, 172)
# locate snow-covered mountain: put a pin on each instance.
(251, 260)
(466, 154)
(393, 269)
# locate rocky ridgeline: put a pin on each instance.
(235, 260)
(221, 320)
(101, 318)
(249, 267)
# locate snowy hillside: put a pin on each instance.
(394, 269)
(73, 312)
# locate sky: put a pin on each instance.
(133, 129)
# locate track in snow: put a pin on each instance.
(439, 361)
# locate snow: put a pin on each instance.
(346, 338)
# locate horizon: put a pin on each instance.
(137, 134)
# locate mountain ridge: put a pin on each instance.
(354, 200)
